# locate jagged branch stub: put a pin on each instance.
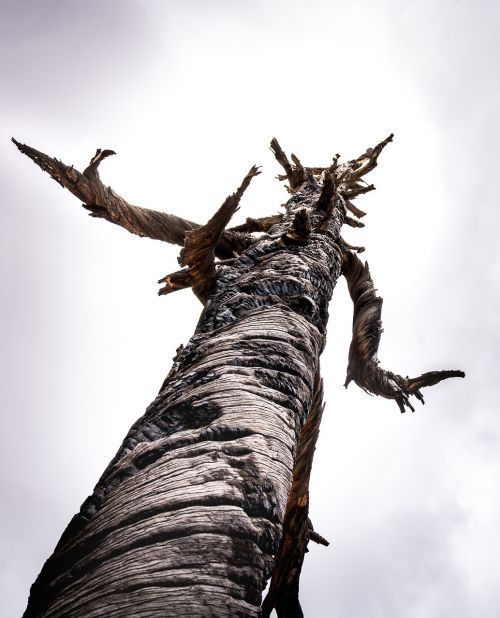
(198, 252)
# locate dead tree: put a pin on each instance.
(208, 495)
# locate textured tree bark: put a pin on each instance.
(188, 517)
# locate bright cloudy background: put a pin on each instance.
(189, 93)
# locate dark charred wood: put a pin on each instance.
(363, 367)
(327, 191)
(263, 224)
(300, 228)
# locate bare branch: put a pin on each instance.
(300, 228)
(363, 366)
(283, 592)
(354, 209)
(346, 246)
(356, 189)
(179, 280)
(317, 538)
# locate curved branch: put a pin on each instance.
(363, 367)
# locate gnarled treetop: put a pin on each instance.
(336, 186)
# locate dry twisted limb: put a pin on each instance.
(363, 366)
(104, 203)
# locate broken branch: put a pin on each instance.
(295, 175)
(327, 191)
(300, 228)
(103, 202)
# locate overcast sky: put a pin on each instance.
(189, 94)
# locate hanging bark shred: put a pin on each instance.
(209, 493)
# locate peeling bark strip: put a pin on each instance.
(363, 365)
(283, 592)
(188, 517)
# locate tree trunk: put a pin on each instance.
(188, 517)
